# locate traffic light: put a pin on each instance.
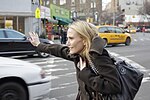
(123, 15)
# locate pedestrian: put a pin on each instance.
(84, 47)
(143, 29)
(53, 33)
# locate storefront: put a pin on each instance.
(12, 22)
(47, 23)
(60, 14)
(19, 15)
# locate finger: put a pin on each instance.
(30, 33)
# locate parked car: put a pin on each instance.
(20, 80)
(114, 35)
(143, 29)
(147, 29)
(13, 42)
(139, 28)
(130, 30)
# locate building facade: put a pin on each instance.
(19, 15)
(133, 15)
(88, 10)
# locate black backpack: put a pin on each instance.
(130, 78)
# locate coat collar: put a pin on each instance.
(97, 45)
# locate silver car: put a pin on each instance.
(20, 80)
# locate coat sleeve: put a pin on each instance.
(55, 49)
(107, 82)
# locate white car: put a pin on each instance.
(20, 80)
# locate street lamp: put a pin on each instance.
(74, 15)
(96, 17)
(93, 11)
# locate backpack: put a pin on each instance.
(130, 79)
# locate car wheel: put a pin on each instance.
(43, 54)
(12, 91)
(128, 41)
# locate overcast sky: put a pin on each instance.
(104, 2)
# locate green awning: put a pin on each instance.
(52, 20)
(63, 21)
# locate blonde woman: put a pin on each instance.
(85, 49)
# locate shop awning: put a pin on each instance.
(63, 21)
(52, 20)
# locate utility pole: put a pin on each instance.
(93, 11)
(39, 20)
(114, 11)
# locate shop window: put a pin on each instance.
(2, 23)
(9, 22)
(21, 21)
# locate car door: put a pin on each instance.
(103, 33)
(121, 37)
(113, 35)
(4, 43)
(19, 42)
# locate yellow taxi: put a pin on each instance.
(131, 30)
(114, 35)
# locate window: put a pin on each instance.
(118, 30)
(103, 30)
(112, 30)
(82, 1)
(14, 34)
(2, 34)
(93, 4)
(2, 23)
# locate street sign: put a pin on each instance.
(37, 13)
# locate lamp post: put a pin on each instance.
(93, 11)
(114, 11)
(74, 14)
(96, 17)
(39, 20)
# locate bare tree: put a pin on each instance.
(144, 10)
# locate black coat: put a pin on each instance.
(106, 83)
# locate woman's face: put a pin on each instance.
(74, 42)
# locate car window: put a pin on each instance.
(103, 30)
(112, 29)
(118, 30)
(2, 34)
(147, 26)
(14, 34)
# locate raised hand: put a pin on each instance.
(34, 39)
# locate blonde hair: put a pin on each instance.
(87, 32)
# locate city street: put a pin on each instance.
(125, 24)
(62, 72)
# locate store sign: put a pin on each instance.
(45, 12)
(59, 12)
